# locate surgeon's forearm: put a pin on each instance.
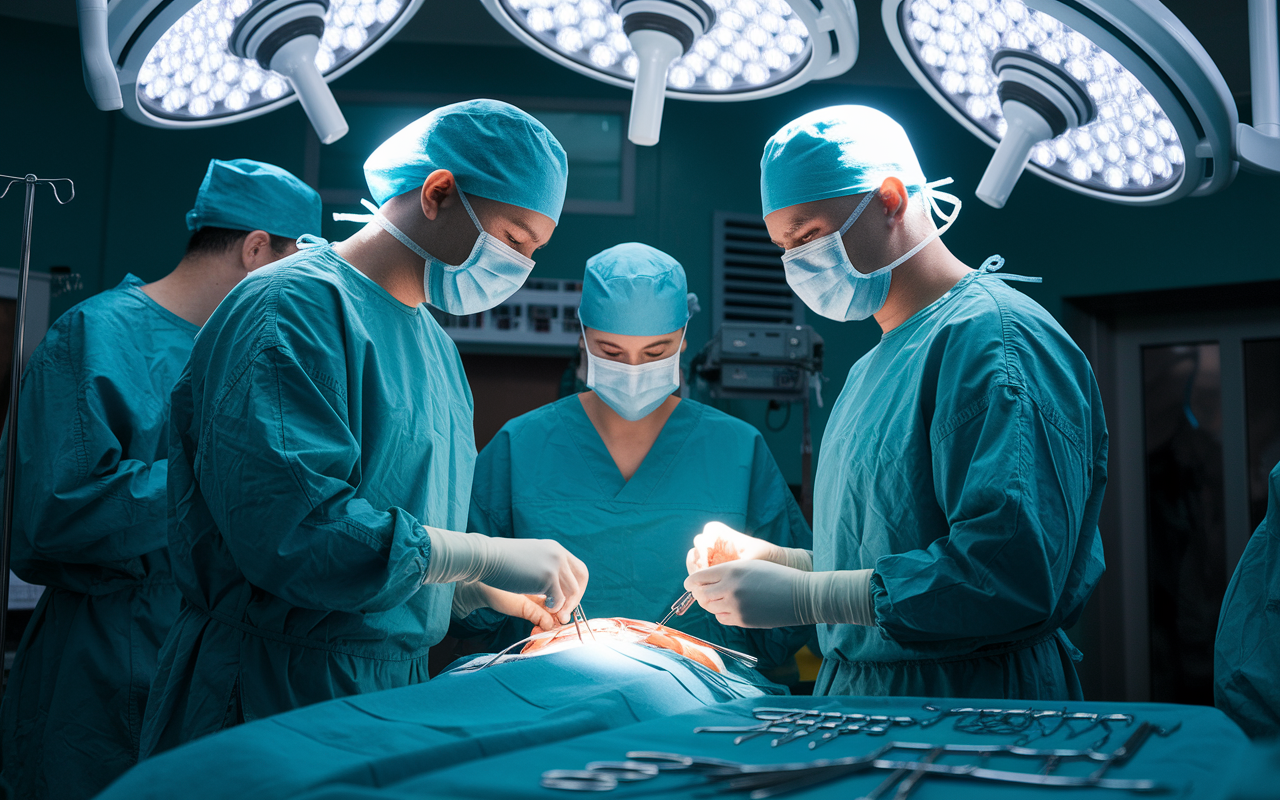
(793, 557)
(838, 597)
(456, 557)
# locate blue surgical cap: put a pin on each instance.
(634, 290)
(834, 152)
(493, 149)
(247, 195)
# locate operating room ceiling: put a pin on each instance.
(1222, 27)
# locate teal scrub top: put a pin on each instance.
(548, 474)
(319, 425)
(1246, 654)
(964, 462)
(89, 524)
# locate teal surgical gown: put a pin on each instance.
(319, 425)
(89, 524)
(548, 474)
(964, 462)
(1246, 654)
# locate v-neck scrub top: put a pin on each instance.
(548, 474)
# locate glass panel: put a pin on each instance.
(1262, 420)
(592, 141)
(1186, 554)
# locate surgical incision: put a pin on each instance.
(621, 629)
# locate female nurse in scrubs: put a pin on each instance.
(626, 473)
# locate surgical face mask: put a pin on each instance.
(821, 275)
(634, 390)
(492, 273)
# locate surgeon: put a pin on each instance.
(1246, 654)
(89, 519)
(626, 473)
(321, 442)
(957, 493)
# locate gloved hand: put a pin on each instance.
(523, 566)
(762, 594)
(468, 597)
(720, 544)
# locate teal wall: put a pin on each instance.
(135, 183)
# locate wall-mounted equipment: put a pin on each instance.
(542, 313)
(199, 63)
(780, 364)
(712, 50)
(1113, 99)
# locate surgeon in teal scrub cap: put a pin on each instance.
(89, 518)
(962, 468)
(321, 446)
(635, 471)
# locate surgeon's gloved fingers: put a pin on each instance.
(571, 585)
(750, 594)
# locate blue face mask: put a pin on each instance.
(821, 275)
(634, 390)
(492, 273)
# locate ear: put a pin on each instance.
(438, 186)
(893, 194)
(256, 251)
(684, 345)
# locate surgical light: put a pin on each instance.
(1114, 99)
(710, 50)
(198, 63)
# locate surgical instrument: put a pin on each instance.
(681, 605)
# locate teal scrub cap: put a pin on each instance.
(493, 149)
(834, 152)
(633, 289)
(247, 195)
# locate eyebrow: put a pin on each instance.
(794, 227)
(522, 225)
(661, 342)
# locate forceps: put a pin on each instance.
(581, 616)
(681, 605)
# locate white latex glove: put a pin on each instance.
(718, 544)
(524, 566)
(762, 594)
(468, 597)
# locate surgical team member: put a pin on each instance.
(626, 473)
(1246, 654)
(957, 494)
(322, 449)
(89, 522)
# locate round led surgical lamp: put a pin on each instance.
(200, 63)
(1156, 121)
(708, 50)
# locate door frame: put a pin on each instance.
(1112, 332)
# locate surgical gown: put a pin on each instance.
(89, 524)
(965, 462)
(1246, 654)
(548, 474)
(319, 425)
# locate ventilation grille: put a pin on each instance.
(747, 280)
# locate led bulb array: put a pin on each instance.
(752, 43)
(190, 74)
(1130, 147)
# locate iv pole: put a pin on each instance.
(15, 372)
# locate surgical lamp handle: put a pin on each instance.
(100, 76)
(1264, 66)
(1257, 146)
(15, 375)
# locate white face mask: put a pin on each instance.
(634, 390)
(821, 275)
(492, 273)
